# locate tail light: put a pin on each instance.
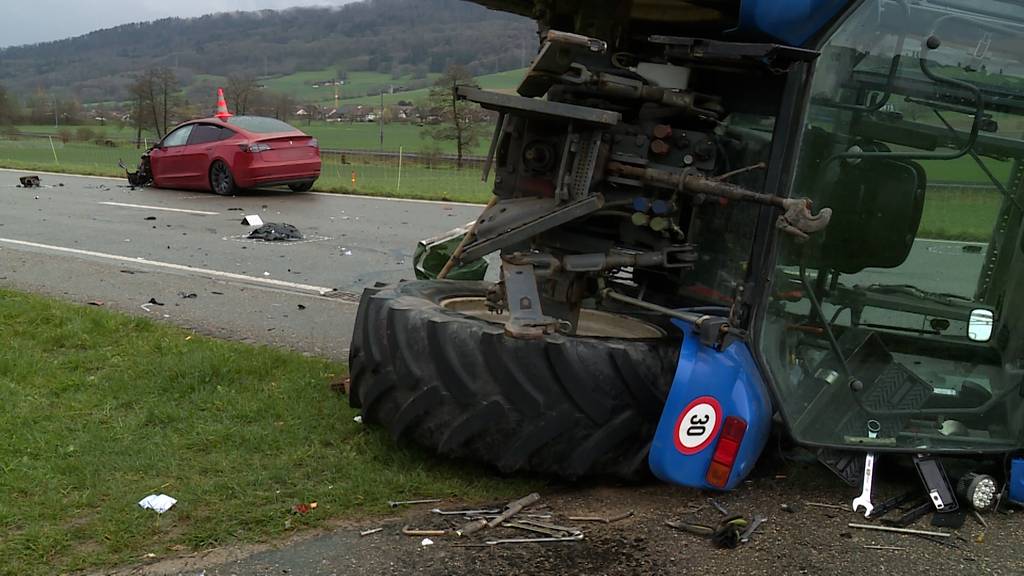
(313, 142)
(257, 147)
(725, 452)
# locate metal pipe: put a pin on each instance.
(684, 316)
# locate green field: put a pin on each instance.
(502, 81)
(300, 85)
(103, 409)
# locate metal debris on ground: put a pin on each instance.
(397, 503)
(721, 509)
(275, 232)
(29, 181)
(465, 512)
(154, 302)
(879, 547)
(829, 506)
(417, 532)
(371, 531)
(754, 525)
(792, 508)
(896, 530)
(511, 510)
(608, 520)
(726, 534)
(252, 220)
(188, 295)
(95, 303)
(501, 541)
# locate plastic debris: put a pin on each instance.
(358, 419)
(95, 303)
(426, 542)
(275, 232)
(188, 295)
(29, 181)
(253, 220)
(154, 302)
(158, 503)
(372, 531)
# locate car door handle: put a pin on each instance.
(208, 148)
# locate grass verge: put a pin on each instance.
(103, 409)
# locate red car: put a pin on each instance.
(225, 155)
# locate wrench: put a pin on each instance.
(864, 500)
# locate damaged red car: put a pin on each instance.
(230, 154)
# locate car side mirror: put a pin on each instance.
(980, 325)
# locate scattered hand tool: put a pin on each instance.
(607, 520)
(721, 509)
(511, 510)
(573, 538)
(412, 532)
(726, 535)
(900, 530)
(754, 525)
(465, 512)
(397, 503)
(864, 500)
(371, 531)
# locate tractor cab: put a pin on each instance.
(907, 310)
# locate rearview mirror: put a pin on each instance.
(876, 211)
(979, 327)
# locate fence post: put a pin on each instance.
(399, 189)
(52, 148)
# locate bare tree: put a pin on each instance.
(460, 121)
(154, 100)
(239, 90)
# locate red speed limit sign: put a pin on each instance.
(698, 425)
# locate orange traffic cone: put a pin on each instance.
(222, 106)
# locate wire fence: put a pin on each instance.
(417, 175)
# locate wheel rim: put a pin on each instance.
(592, 324)
(221, 178)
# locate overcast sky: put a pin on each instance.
(30, 21)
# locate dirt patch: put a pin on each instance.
(810, 541)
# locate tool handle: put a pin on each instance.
(514, 508)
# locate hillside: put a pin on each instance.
(400, 40)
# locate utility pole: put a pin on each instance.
(55, 121)
(380, 120)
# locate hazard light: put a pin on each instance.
(725, 452)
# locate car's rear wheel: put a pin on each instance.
(430, 366)
(301, 187)
(221, 180)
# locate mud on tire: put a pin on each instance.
(456, 384)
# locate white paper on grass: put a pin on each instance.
(159, 503)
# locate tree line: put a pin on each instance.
(401, 37)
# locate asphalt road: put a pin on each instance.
(94, 239)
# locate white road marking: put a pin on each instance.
(319, 290)
(144, 207)
(328, 194)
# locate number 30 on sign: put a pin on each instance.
(698, 425)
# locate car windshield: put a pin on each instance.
(260, 124)
(907, 310)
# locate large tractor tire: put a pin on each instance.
(430, 368)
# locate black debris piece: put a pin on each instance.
(217, 293)
(154, 302)
(150, 217)
(188, 295)
(29, 181)
(274, 232)
(235, 209)
(302, 306)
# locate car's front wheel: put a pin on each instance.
(221, 180)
